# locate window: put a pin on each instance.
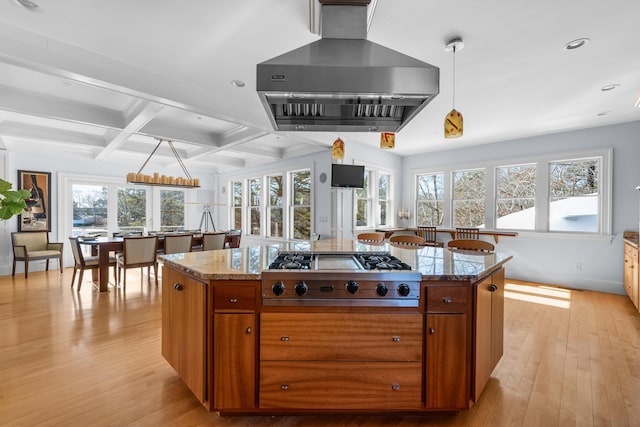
(275, 201)
(236, 205)
(468, 198)
(363, 203)
(255, 194)
(132, 209)
(301, 204)
(516, 196)
(89, 209)
(430, 199)
(171, 210)
(384, 202)
(574, 195)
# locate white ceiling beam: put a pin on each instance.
(144, 112)
(47, 134)
(32, 104)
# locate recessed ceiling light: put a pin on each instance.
(237, 83)
(27, 4)
(609, 87)
(576, 44)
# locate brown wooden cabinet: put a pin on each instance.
(234, 346)
(488, 329)
(341, 361)
(631, 282)
(184, 328)
(447, 347)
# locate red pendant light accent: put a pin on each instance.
(387, 140)
(337, 150)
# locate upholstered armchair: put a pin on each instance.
(32, 246)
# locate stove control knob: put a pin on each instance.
(404, 290)
(382, 289)
(301, 288)
(352, 286)
(278, 288)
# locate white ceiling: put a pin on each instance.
(101, 79)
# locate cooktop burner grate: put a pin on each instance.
(382, 262)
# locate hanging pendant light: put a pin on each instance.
(387, 140)
(453, 120)
(337, 150)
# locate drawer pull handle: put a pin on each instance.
(396, 339)
(233, 300)
(284, 386)
(432, 331)
(447, 300)
(284, 338)
(395, 387)
(249, 330)
(177, 287)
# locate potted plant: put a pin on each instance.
(12, 202)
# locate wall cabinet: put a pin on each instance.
(184, 328)
(488, 329)
(631, 274)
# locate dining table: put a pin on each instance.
(101, 246)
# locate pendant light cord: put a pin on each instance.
(453, 102)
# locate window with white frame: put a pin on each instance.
(132, 209)
(469, 197)
(275, 201)
(255, 212)
(574, 195)
(300, 226)
(363, 203)
(516, 197)
(235, 217)
(385, 216)
(430, 199)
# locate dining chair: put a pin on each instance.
(407, 240)
(371, 238)
(213, 241)
(429, 233)
(82, 263)
(138, 252)
(471, 245)
(467, 233)
(178, 243)
(32, 246)
(234, 238)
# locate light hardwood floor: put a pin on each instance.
(91, 359)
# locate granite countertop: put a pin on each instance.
(631, 237)
(247, 263)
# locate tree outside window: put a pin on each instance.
(132, 209)
(255, 195)
(384, 202)
(274, 207)
(171, 210)
(469, 198)
(89, 209)
(301, 204)
(236, 205)
(574, 195)
(363, 203)
(516, 196)
(430, 199)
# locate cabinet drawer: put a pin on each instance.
(235, 298)
(448, 299)
(341, 336)
(341, 385)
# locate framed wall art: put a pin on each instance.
(37, 215)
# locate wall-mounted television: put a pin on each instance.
(347, 176)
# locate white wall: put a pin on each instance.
(543, 257)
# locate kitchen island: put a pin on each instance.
(243, 345)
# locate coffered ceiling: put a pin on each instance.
(103, 79)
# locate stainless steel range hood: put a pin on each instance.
(344, 82)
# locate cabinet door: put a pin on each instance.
(183, 328)
(447, 385)
(234, 365)
(631, 272)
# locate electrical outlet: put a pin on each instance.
(578, 266)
